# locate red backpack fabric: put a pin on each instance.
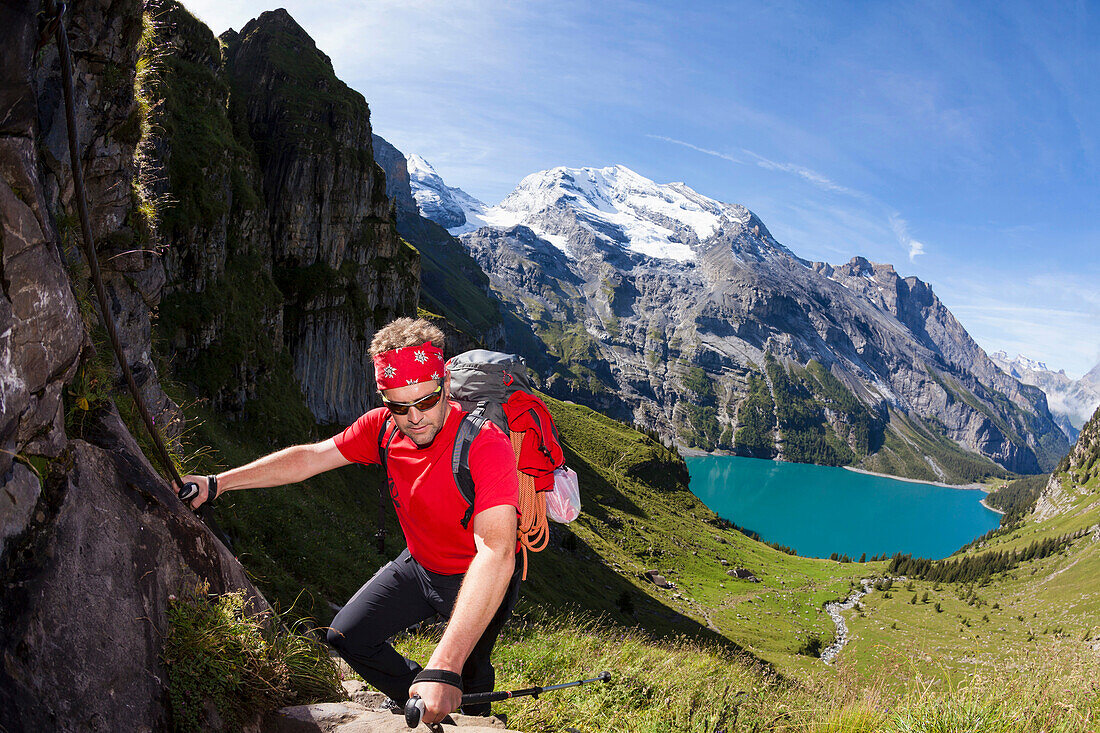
(540, 453)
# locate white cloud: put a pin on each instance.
(854, 224)
(901, 231)
(1045, 323)
(821, 181)
(714, 153)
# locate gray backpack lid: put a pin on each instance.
(490, 377)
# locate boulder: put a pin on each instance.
(86, 591)
(743, 574)
(653, 576)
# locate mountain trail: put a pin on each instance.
(1058, 572)
(363, 712)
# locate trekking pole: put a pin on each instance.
(414, 708)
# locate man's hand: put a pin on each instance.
(204, 489)
(440, 700)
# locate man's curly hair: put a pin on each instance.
(405, 332)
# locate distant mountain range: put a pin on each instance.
(1072, 402)
(683, 314)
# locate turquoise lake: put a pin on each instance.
(818, 510)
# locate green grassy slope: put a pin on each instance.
(680, 685)
(1041, 607)
(672, 670)
(639, 515)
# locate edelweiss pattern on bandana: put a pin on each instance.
(408, 365)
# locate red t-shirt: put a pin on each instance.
(429, 505)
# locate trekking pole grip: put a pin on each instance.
(188, 491)
(414, 710)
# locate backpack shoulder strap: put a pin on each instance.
(384, 441)
(460, 458)
(383, 448)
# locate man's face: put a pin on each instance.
(420, 425)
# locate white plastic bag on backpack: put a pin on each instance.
(563, 502)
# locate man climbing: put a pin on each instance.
(466, 572)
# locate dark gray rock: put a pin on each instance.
(21, 492)
(85, 610)
(654, 576)
(743, 574)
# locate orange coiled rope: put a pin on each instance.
(534, 532)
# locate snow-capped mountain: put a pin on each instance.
(659, 305)
(437, 201)
(1072, 402)
(1023, 364)
(619, 207)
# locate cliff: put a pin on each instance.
(92, 540)
(284, 256)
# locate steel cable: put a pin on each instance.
(57, 11)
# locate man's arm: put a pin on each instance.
(478, 599)
(287, 466)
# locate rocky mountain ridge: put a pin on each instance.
(664, 306)
(436, 200)
(453, 286)
(1071, 401)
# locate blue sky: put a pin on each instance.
(958, 141)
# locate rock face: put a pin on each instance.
(1078, 468)
(284, 248)
(92, 540)
(42, 333)
(684, 314)
(392, 162)
(86, 614)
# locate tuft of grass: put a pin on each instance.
(244, 663)
(1048, 693)
(679, 684)
(671, 684)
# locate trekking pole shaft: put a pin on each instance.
(414, 708)
(479, 697)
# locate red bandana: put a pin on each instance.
(408, 365)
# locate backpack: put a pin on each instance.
(493, 386)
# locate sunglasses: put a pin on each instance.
(426, 402)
